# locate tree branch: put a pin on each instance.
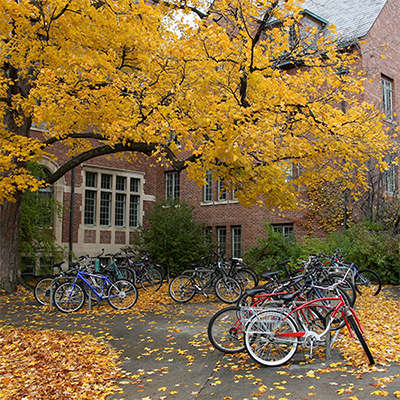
(147, 149)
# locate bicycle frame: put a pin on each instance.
(81, 275)
(340, 306)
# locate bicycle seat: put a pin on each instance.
(255, 291)
(58, 265)
(283, 262)
(290, 296)
(270, 275)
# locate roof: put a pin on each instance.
(353, 18)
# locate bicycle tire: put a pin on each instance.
(151, 279)
(339, 321)
(122, 295)
(42, 290)
(366, 278)
(247, 278)
(126, 274)
(69, 297)
(225, 330)
(265, 341)
(228, 289)
(346, 285)
(182, 289)
(354, 326)
(246, 300)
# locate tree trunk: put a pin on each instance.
(9, 234)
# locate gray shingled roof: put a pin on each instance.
(352, 18)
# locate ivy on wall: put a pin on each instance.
(328, 207)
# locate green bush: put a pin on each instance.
(362, 243)
(270, 250)
(172, 235)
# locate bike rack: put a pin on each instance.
(329, 342)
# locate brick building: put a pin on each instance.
(108, 197)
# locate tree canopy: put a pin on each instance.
(246, 90)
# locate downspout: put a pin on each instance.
(71, 214)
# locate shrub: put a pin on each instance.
(271, 249)
(364, 244)
(172, 235)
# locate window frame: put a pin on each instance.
(207, 189)
(172, 185)
(387, 97)
(222, 239)
(108, 201)
(236, 241)
(222, 193)
(286, 230)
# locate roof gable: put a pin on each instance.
(353, 18)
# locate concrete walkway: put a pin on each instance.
(167, 355)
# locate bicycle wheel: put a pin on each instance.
(151, 279)
(247, 278)
(325, 307)
(69, 297)
(126, 274)
(270, 338)
(346, 285)
(225, 330)
(122, 295)
(42, 290)
(182, 289)
(228, 289)
(367, 281)
(354, 326)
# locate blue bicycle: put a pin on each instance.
(71, 295)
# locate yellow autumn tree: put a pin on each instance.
(246, 88)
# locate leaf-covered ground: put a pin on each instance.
(46, 364)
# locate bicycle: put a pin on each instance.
(271, 336)
(70, 296)
(204, 280)
(224, 328)
(246, 276)
(149, 277)
(44, 286)
(359, 278)
(312, 272)
(115, 271)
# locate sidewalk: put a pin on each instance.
(168, 356)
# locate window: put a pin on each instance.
(172, 185)
(105, 209)
(285, 230)
(208, 235)
(116, 197)
(90, 207)
(134, 203)
(105, 200)
(208, 188)
(221, 232)
(387, 97)
(390, 179)
(234, 194)
(120, 184)
(106, 181)
(237, 241)
(135, 185)
(91, 179)
(291, 171)
(120, 202)
(221, 191)
(133, 211)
